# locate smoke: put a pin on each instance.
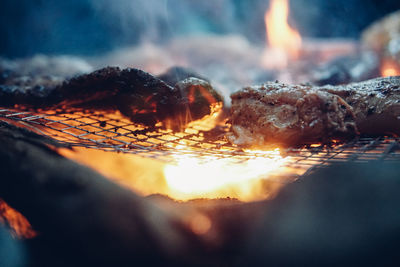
(156, 20)
(93, 27)
(134, 20)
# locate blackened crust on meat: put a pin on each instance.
(138, 95)
(135, 93)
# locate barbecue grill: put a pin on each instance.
(112, 132)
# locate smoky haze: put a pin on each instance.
(93, 27)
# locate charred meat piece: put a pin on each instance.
(138, 95)
(288, 115)
(135, 93)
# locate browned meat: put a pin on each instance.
(375, 103)
(286, 115)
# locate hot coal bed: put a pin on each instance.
(141, 164)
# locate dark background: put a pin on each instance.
(91, 27)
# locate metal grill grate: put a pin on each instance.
(112, 132)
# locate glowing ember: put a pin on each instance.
(284, 42)
(390, 68)
(315, 145)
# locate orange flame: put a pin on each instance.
(284, 41)
(189, 175)
(19, 225)
(390, 68)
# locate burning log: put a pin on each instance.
(276, 113)
(138, 95)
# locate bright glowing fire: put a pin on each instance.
(390, 68)
(284, 41)
(214, 177)
(209, 177)
(188, 175)
(191, 176)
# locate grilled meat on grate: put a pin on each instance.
(277, 113)
(138, 95)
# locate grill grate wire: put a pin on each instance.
(112, 132)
